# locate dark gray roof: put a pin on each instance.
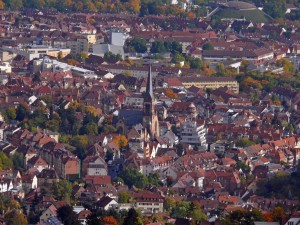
(131, 117)
(104, 201)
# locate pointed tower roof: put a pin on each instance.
(149, 87)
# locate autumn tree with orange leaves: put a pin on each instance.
(2, 5)
(170, 93)
(109, 220)
(120, 140)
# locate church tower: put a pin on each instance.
(150, 119)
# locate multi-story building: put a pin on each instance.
(194, 132)
(257, 56)
(50, 65)
(66, 165)
(36, 51)
(148, 202)
(204, 82)
(78, 45)
(94, 166)
(134, 101)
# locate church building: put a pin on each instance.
(125, 119)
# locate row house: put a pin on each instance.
(205, 82)
(257, 56)
(63, 161)
(47, 177)
(94, 166)
(66, 164)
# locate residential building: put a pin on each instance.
(94, 166)
(194, 132)
(148, 202)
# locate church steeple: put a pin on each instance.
(149, 87)
(150, 119)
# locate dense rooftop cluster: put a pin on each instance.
(122, 119)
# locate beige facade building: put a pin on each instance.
(211, 83)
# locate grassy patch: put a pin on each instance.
(252, 15)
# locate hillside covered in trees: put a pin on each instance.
(274, 8)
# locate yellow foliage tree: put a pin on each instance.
(92, 110)
(121, 141)
(69, 3)
(92, 7)
(208, 72)
(2, 4)
(134, 5)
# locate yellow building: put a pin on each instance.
(62, 52)
(204, 82)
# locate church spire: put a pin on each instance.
(149, 88)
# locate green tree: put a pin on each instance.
(132, 177)
(91, 129)
(290, 128)
(108, 129)
(138, 44)
(208, 46)
(22, 112)
(176, 47)
(15, 217)
(181, 209)
(220, 69)
(196, 214)
(62, 190)
(14, 4)
(244, 142)
(133, 218)
(196, 63)
(109, 56)
(53, 125)
(169, 205)
(81, 144)
(177, 58)
(5, 162)
(124, 197)
(153, 179)
(67, 215)
(109, 155)
(11, 113)
(17, 160)
(158, 47)
(275, 8)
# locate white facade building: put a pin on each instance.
(118, 38)
(6, 185)
(5, 67)
(36, 51)
(51, 65)
(194, 133)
